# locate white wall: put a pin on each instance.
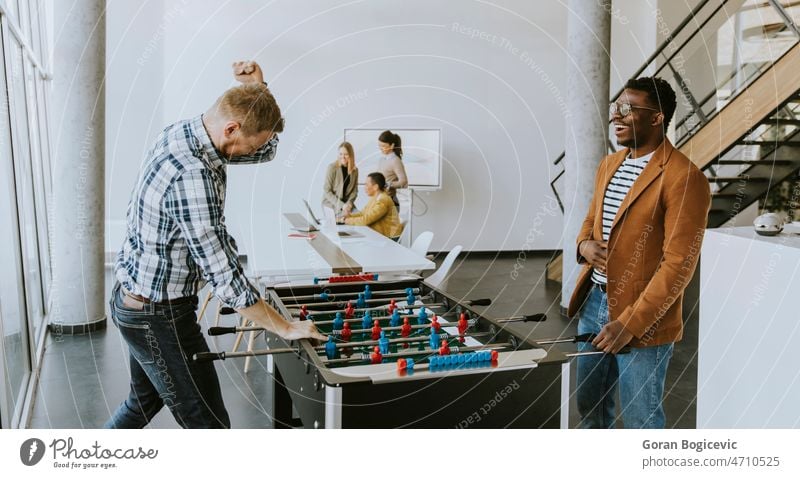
(134, 112)
(633, 38)
(491, 76)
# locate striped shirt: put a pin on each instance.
(175, 237)
(618, 188)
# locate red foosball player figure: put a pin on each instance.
(392, 306)
(349, 311)
(376, 330)
(405, 330)
(303, 312)
(346, 332)
(436, 325)
(375, 356)
(444, 349)
(462, 326)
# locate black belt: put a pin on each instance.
(145, 300)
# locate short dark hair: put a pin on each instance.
(378, 179)
(659, 92)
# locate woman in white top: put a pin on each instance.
(391, 164)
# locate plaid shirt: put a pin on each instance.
(176, 236)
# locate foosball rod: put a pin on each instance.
(362, 357)
(397, 340)
(377, 317)
(480, 302)
(251, 328)
(504, 320)
(585, 338)
(352, 279)
(343, 303)
(325, 296)
(470, 323)
(210, 356)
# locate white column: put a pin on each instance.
(79, 166)
(588, 62)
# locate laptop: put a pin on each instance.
(330, 221)
(300, 223)
(311, 213)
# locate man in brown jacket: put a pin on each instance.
(640, 243)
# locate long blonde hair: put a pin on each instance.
(351, 163)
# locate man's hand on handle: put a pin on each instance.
(247, 72)
(303, 329)
(612, 337)
(595, 253)
(265, 316)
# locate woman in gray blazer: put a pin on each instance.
(341, 182)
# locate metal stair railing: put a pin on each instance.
(670, 56)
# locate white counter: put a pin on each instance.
(749, 333)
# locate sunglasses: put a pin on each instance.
(624, 109)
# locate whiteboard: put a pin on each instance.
(422, 154)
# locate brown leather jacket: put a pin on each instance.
(653, 246)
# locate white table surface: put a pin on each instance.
(789, 237)
(275, 254)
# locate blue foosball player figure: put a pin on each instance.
(366, 322)
(434, 340)
(338, 322)
(422, 316)
(330, 348)
(383, 343)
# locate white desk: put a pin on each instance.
(276, 255)
(748, 374)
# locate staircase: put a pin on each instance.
(756, 163)
(743, 130)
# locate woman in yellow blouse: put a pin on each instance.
(379, 213)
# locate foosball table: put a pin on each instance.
(401, 353)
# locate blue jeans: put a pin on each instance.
(161, 342)
(639, 375)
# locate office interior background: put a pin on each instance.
(494, 77)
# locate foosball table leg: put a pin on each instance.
(333, 407)
(565, 396)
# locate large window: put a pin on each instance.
(25, 186)
(13, 324)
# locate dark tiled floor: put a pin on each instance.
(85, 377)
